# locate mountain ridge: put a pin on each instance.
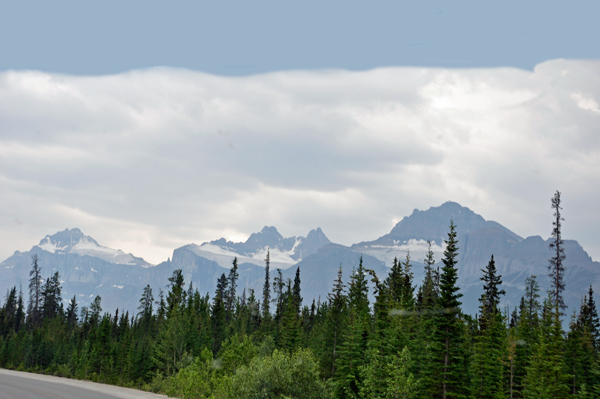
(90, 269)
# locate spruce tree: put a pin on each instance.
(232, 289)
(266, 301)
(297, 291)
(449, 329)
(490, 351)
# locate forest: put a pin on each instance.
(413, 341)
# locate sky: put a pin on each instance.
(151, 126)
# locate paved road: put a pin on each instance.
(20, 385)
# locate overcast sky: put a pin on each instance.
(150, 125)
(150, 160)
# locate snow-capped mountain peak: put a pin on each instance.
(73, 241)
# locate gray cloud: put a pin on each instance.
(149, 160)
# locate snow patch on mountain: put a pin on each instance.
(417, 249)
(224, 256)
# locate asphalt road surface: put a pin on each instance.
(20, 385)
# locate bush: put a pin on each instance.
(278, 376)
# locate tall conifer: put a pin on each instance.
(449, 329)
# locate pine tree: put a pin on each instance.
(556, 267)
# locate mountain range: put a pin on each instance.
(88, 269)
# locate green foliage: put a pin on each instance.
(280, 375)
(547, 376)
(198, 380)
(390, 380)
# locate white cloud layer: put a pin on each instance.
(150, 160)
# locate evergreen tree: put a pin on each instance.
(35, 291)
(176, 295)
(266, 302)
(427, 295)
(547, 376)
(490, 351)
(296, 292)
(290, 331)
(72, 312)
(581, 354)
(20, 313)
(589, 318)
(51, 297)
(449, 329)
(556, 267)
(145, 308)
(8, 312)
(351, 355)
(232, 289)
(218, 314)
(335, 324)
(407, 300)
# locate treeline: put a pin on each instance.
(412, 342)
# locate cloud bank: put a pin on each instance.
(150, 160)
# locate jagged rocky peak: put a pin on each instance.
(268, 236)
(64, 240)
(317, 235)
(314, 240)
